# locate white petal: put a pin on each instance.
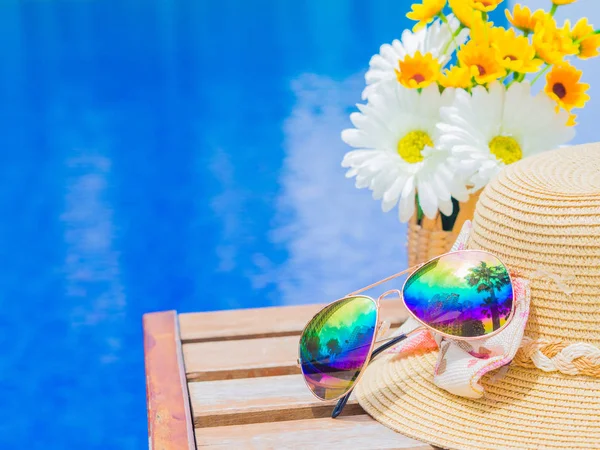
(427, 199)
(357, 157)
(356, 138)
(390, 198)
(446, 207)
(406, 207)
(363, 179)
(440, 187)
(351, 172)
(382, 181)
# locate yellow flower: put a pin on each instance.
(584, 38)
(464, 11)
(418, 71)
(523, 19)
(551, 43)
(563, 86)
(425, 12)
(484, 33)
(486, 5)
(572, 121)
(563, 2)
(457, 77)
(481, 62)
(516, 53)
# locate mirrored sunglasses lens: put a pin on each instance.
(336, 344)
(463, 294)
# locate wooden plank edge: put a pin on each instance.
(275, 415)
(170, 425)
(235, 374)
(241, 337)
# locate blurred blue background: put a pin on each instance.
(177, 154)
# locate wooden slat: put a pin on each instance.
(264, 322)
(206, 361)
(169, 416)
(355, 432)
(252, 400)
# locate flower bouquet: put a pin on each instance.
(451, 103)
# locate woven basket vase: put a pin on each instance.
(428, 239)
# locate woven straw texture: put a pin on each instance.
(428, 239)
(541, 216)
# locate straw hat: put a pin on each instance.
(540, 214)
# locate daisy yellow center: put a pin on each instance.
(411, 146)
(506, 149)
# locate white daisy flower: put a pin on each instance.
(488, 129)
(397, 154)
(435, 39)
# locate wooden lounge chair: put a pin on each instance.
(229, 379)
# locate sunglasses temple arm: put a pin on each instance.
(391, 277)
(342, 401)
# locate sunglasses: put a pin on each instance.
(467, 294)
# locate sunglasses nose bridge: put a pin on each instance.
(390, 292)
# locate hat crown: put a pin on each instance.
(541, 216)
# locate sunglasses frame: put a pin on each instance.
(379, 324)
(450, 336)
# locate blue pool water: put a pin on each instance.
(169, 155)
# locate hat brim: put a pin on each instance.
(524, 409)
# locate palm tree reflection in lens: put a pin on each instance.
(489, 279)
